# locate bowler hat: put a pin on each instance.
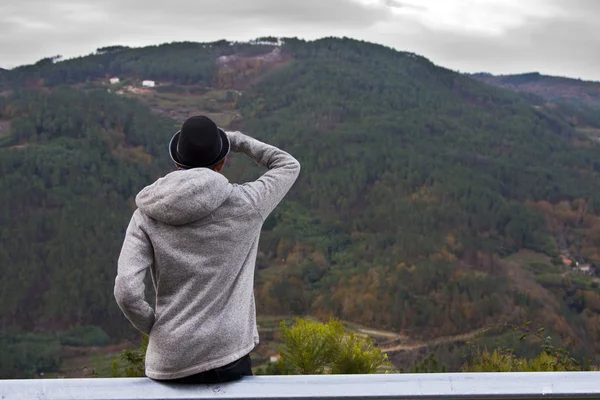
(199, 144)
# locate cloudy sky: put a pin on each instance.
(557, 37)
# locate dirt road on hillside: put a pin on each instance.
(382, 334)
(463, 337)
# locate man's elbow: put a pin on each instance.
(122, 294)
(119, 298)
(295, 167)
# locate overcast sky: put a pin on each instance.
(557, 37)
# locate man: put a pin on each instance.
(198, 235)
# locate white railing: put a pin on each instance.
(535, 385)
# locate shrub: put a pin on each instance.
(26, 356)
(503, 359)
(131, 363)
(311, 347)
(429, 364)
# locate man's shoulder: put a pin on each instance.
(138, 217)
(238, 202)
(241, 192)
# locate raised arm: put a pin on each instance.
(135, 259)
(283, 169)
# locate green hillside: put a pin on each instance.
(429, 203)
(415, 179)
(68, 180)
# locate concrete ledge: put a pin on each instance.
(538, 385)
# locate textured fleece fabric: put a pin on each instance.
(198, 235)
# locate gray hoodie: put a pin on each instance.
(198, 235)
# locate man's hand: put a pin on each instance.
(268, 190)
(235, 140)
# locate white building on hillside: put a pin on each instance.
(148, 83)
(585, 268)
(114, 80)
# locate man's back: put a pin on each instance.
(199, 236)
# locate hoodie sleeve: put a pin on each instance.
(267, 191)
(135, 258)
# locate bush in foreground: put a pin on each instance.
(311, 347)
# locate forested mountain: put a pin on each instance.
(66, 190)
(424, 194)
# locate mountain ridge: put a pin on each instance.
(572, 90)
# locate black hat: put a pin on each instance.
(199, 144)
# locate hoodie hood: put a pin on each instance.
(184, 196)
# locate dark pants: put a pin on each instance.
(227, 373)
